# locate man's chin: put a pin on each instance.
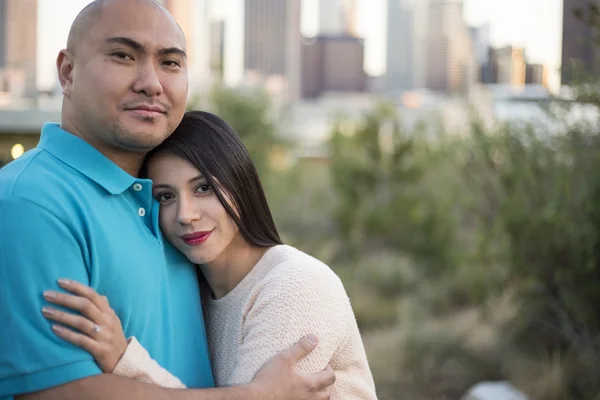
(144, 139)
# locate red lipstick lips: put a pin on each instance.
(196, 238)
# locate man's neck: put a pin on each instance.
(128, 161)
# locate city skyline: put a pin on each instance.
(534, 24)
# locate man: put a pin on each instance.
(73, 208)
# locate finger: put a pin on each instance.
(323, 380)
(77, 303)
(324, 394)
(84, 291)
(302, 348)
(78, 322)
(78, 339)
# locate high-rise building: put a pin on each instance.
(217, 47)
(506, 65)
(3, 32)
(272, 41)
(406, 44)
(536, 74)
(192, 17)
(400, 46)
(333, 64)
(481, 41)
(337, 17)
(578, 41)
(18, 46)
(449, 66)
(510, 65)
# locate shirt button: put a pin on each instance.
(141, 212)
(137, 187)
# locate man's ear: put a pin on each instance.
(64, 65)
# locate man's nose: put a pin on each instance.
(148, 80)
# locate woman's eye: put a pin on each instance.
(203, 188)
(163, 197)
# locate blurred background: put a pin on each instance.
(442, 156)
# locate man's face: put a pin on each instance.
(129, 78)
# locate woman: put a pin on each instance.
(262, 295)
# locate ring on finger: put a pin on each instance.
(95, 330)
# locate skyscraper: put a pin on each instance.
(578, 41)
(449, 66)
(406, 44)
(333, 64)
(272, 41)
(337, 17)
(481, 40)
(537, 74)
(400, 45)
(18, 43)
(217, 47)
(192, 17)
(510, 65)
(3, 33)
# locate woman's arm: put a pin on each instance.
(296, 298)
(293, 300)
(101, 333)
(136, 363)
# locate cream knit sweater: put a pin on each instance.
(285, 296)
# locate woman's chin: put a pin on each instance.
(196, 258)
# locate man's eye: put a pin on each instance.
(172, 63)
(122, 56)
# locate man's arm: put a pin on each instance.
(108, 386)
(36, 248)
(279, 379)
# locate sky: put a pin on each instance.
(533, 24)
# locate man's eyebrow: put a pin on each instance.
(172, 50)
(127, 42)
(140, 47)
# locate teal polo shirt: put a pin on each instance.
(66, 211)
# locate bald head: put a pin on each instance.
(93, 12)
(124, 76)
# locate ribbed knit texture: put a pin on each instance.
(287, 295)
(136, 363)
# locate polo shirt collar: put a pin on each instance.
(83, 157)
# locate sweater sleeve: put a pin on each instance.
(286, 306)
(136, 363)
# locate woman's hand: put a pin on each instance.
(98, 328)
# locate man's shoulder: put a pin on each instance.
(36, 170)
(18, 171)
(39, 178)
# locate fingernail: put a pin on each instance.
(64, 282)
(312, 338)
(57, 328)
(49, 294)
(47, 311)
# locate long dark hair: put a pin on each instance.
(215, 148)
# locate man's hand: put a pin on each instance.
(279, 379)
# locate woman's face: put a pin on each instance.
(191, 216)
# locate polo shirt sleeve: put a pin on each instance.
(36, 248)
